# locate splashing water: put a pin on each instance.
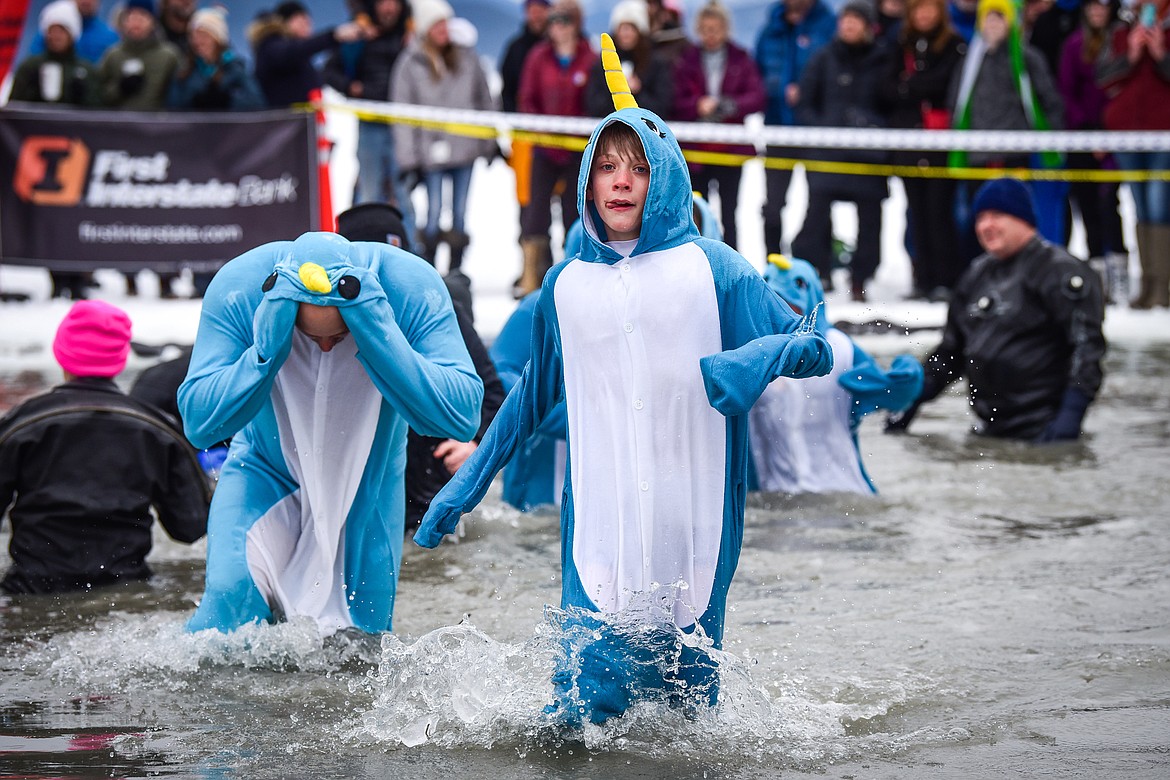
(456, 687)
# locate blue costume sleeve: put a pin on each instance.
(420, 364)
(533, 396)
(511, 351)
(772, 341)
(243, 340)
(873, 389)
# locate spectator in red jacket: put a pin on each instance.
(555, 75)
(717, 81)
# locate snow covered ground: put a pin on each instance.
(493, 262)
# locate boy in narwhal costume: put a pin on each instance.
(658, 341)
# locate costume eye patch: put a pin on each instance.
(269, 283)
(349, 287)
(801, 284)
(653, 128)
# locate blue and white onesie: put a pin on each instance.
(804, 434)
(535, 474)
(307, 519)
(658, 348)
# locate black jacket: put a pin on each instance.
(1022, 330)
(425, 475)
(284, 65)
(368, 62)
(86, 463)
(512, 65)
(839, 88)
(918, 74)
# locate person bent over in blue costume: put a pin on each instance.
(804, 434)
(313, 356)
(658, 341)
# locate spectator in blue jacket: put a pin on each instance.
(96, 36)
(794, 31)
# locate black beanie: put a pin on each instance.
(379, 222)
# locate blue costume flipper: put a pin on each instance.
(736, 378)
(873, 389)
(423, 379)
(231, 377)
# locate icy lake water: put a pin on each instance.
(999, 610)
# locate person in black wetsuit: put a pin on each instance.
(1024, 328)
(430, 461)
(82, 465)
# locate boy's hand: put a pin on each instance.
(801, 357)
(440, 520)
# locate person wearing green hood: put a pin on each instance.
(1004, 84)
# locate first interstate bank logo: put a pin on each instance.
(61, 171)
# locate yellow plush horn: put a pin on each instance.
(615, 77)
(780, 261)
(315, 278)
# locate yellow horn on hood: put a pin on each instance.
(315, 278)
(615, 77)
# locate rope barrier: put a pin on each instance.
(571, 133)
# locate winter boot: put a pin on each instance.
(1101, 268)
(1159, 240)
(1144, 299)
(536, 253)
(457, 242)
(1117, 271)
(428, 246)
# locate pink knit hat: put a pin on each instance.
(93, 339)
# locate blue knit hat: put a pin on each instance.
(141, 5)
(1011, 196)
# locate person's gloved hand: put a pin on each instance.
(1066, 426)
(212, 460)
(272, 328)
(899, 422)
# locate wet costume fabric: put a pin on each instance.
(307, 519)
(804, 434)
(658, 351)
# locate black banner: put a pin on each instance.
(103, 189)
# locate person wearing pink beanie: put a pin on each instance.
(93, 340)
(82, 466)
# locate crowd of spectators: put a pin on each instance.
(963, 64)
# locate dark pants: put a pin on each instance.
(536, 218)
(776, 181)
(930, 204)
(814, 243)
(726, 181)
(1097, 204)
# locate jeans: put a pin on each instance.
(460, 179)
(1151, 199)
(377, 179)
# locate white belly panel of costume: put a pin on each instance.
(800, 433)
(647, 450)
(327, 414)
